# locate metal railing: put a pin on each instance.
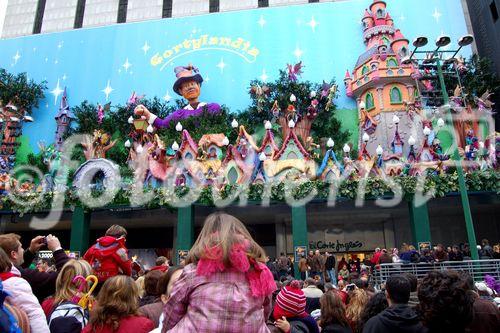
(476, 268)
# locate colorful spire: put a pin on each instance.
(367, 14)
(64, 107)
(347, 75)
(398, 35)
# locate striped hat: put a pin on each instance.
(292, 299)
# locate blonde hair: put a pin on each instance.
(117, 299)
(140, 285)
(223, 230)
(357, 302)
(65, 288)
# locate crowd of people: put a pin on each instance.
(325, 266)
(228, 284)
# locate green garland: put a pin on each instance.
(434, 185)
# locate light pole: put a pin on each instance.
(442, 42)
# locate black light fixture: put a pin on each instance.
(420, 41)
(465, 40)
(443, 41)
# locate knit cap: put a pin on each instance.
(292, 299)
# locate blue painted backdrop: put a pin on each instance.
(108, 63)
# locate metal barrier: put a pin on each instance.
(476, 268)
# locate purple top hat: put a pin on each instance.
(184, 74)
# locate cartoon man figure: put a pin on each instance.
(187, 85)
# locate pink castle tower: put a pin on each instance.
(380, 82)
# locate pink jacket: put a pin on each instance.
(22, 296)
(220, 302)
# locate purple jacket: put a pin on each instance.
(184, 113)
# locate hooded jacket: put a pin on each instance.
(22, 296)
(399, 318)
(109, 257)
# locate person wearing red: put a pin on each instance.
(376, 258)
(161, 264)
(116, 310)
(290, 313)
(109, 256)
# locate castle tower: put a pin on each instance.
(347, 83)
(63, 120)
(368, 21)
(382, 83)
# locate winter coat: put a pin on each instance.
(486, 317)
(12, 318)
(344, 273)
(330, 263)
(22, 296)
(385, 258)
(410, 256)
(303, 265)
(487, 252)
(399, 318)
(440, 256)
(455, 256)
(148, 299)
(336, 328)
(303, 325)
(109, 257)
(317, 264)
(129, 324)
(312, 292)
(309, 260)
(43, 284)
(376, 258)
(152, 311)
(217, 302)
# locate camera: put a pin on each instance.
(44, 240)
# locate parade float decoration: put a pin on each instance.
(18, 96)
(289, 134)
(381, 84)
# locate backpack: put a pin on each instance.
(8, 323)
(68, 317)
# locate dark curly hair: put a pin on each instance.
(375, 305)
(445, 301)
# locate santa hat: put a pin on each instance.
(291, 299)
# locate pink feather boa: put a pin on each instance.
(259, 277)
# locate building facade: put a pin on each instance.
(485, 24)
(25, 17)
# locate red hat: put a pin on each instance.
(292, 299)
